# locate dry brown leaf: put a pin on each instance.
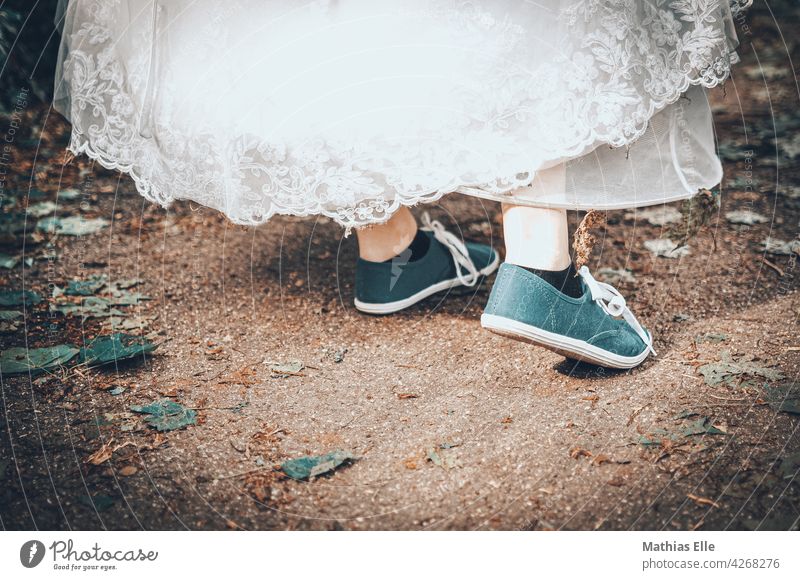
(103, 454)
(128, 470)
(577, 453)
(584, 240)
(601, 459)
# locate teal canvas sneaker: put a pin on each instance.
(597, 328)
(391, 286)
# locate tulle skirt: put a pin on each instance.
(351, 108)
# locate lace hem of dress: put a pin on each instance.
(379, 209)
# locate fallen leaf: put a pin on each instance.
(88, 307)
(8, 262)
(715, 337)
(128, 470)
(790, 466)
(114, 348)
(71, 225)
(85, 287)
(729, 370)
(35, 360)
(781, 247)
(288, 369)
(446, 461)
(311, 466)
(577, 453)
(746, 217)
(615, 276)
(68, 194)
(602, 458)
(103, 454)
(19, 298)
(791, 406)
(41, 209)
(166, 415)
(666, 248)
(701, 426)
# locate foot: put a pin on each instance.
(597, 327)
(396, 284)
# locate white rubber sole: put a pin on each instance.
(563, 345)
(398, 305)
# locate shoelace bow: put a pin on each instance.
(457, 249)
(613, 304)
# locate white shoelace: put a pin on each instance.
(457, 249)
(613, 304)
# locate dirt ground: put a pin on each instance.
(451, 427)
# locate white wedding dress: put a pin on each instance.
(351, 108)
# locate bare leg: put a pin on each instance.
(538, 237)
(385, 241)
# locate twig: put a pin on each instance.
(636, 414)
(775, 267)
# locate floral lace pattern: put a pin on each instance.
(617, 63)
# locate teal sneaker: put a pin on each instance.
(387, 287)
(597, 327)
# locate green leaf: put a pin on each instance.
(166, 415)
(42, 209)
(701, 426)
(654, 437)
(8, 262)
(89, 307)
(10, 320)
(72, 225)
(85, 287)
(781, 247)
(666, 248)
(746, 217)
(711, 337)
(790, 466)
(35, 360)
(113, 348)
(315, 465)
(19, 297)
(68, 194)
(728, 371)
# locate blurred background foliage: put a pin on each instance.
(28, 50)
